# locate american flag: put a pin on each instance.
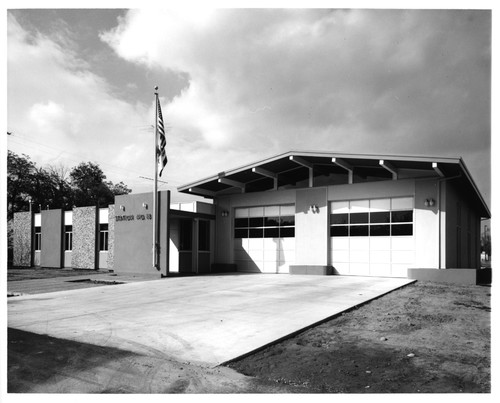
(163, 141)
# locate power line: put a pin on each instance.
(78, 158)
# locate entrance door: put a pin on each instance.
(185, 246)
(203, 246)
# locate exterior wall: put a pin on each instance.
(426, 225)
(84, 238)
(312, 231)
(462, 231)
(311, 227)
(372, 190)
(133, 248)
(52, 239)
(23, 239)
(111, 236)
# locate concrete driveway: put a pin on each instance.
(206, 320)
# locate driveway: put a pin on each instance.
(205, 320)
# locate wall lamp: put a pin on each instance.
(429, 202)
(122, 207)
(224, 213)
(145, 205)
(314, 208)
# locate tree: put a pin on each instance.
(118, 189)
(87, 180)
(20, 176)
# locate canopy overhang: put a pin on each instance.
(304, 169)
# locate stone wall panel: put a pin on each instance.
(23, 232)
(84, 238)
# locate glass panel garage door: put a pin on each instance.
(372, 237)
(264, 238)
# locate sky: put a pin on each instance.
(240, 85)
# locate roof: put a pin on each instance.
(296, 169)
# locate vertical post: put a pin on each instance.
(155, 189)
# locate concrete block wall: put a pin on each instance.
(23, 232)
(84, 237)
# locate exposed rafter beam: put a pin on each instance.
(391, 168)
(264, 172)
(301, 161)
(201, 191)
(268, 174)
(307, 164)
(233, 183)
(348, 167)
(437, 169)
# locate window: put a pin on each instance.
(68, 237)
(38, 238)
(103, 237)
(265, 222)
(378, 217)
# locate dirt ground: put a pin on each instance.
(425, 337)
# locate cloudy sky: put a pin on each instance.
(240, 85)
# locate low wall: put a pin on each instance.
(312, 269)
(455, 276)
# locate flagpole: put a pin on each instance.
(155, 191)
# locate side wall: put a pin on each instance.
(23, 239)
(52, 239)
(426, 227)
(311, 227)
(84, 238)
(133, 245)
(463, 242)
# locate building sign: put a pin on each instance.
(131, 217)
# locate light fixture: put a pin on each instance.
(314, 208)
(145, 205)
(224, 213)
(122, 207)
(429, 202)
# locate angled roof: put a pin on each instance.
(298, 168)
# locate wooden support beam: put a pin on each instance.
(391, 168)
(201, 191)
(267, 174)
(437, 169)
(306, 164)
(348, 167)
(301, 161)
(233, 183)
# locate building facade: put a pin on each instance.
(298, 212)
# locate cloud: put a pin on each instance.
(58, 109)
(390, 73)
(373, 81)
(264, 81)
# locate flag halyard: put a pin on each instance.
(162, 152)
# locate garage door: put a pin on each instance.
(372, 237)
(264, 238)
